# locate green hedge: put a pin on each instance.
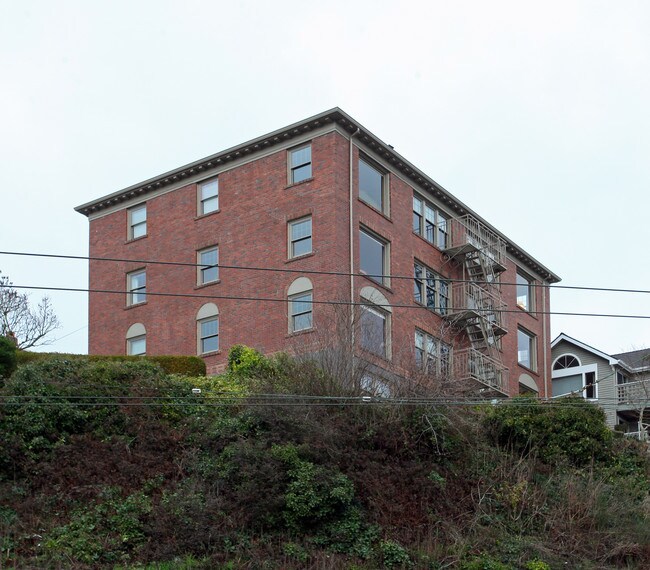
(171, 364)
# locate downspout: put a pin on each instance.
(351, 237)
(545, 318)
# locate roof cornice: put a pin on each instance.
(345, 122)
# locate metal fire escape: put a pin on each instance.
(476, 303)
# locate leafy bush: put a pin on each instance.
(8, 358)
(570, 428)
(171, 364)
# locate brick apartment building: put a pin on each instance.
(346, 219)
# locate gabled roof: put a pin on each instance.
(566, 338)
(635, 360)
(347, 123)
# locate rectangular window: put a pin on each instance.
(431, 354)
(430, 223)
(374, 324)
(430, 289)
(524, 292)
(299, 164)
(301, 311)
(209, 335)
(136, 346)
(208, 193)
(208, 270)
(374, 257)
(137, 221)
(590, 385)
(373, 187)
(136, 287)
(526, 353)
(299, 237)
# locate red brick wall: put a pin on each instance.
(251, 230)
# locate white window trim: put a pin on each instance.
(582, 370)
(438, 212)
(533, 349)
(385, 279)
(207, 312)
(385, 183)
(374, 299)
(131, 225)
(201, 202)
(290, 168)
(562, 369)
(290, 243)
(137, 331)
(130, 292)
(531, 291)
(199, 268)
(299, 287)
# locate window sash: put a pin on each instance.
(209, 270)
(523, 293)
(374, 329)
(137, 287)
(301, 307)
(431, 354)
(372, 254)
(301, 234)
(138, 222)
(300, 164)
(430, 289)
(209, 335)
(525, 349)
(371, 185)
(137, 346)
(209, 192)
(430, 223)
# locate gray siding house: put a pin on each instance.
(619, 383)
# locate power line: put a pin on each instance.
(312, 271)
(317, 302)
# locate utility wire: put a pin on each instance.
(312, 271)
(316, 302)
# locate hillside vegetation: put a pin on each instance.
(118, 464)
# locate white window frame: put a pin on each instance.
(136, 227)
(135, 334)
(134, 292)
(429, 216)
(207, 313)
(532, 345)
(582, 371)
(384, 278)
(202, 269)
(434, 354)
(212, 201)
(291, 169)
(373, 300)
(292, 242)
(300, 288)
(525, 281)
(384, 206)
(441, 290)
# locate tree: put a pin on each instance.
(29, 325)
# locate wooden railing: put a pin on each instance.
(634, 392)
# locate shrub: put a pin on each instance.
(8, 358)
(571, 428)
(171, 364)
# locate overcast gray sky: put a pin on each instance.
(534, 114)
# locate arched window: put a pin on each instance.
(300, 296)
(207, 329)
(375, 322)
(566, 361)
(136, 340)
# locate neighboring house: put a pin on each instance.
(620, 383)
(339, 217)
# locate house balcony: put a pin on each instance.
(469, 236)
(470, 303)
(634, 393)
(470, 365)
